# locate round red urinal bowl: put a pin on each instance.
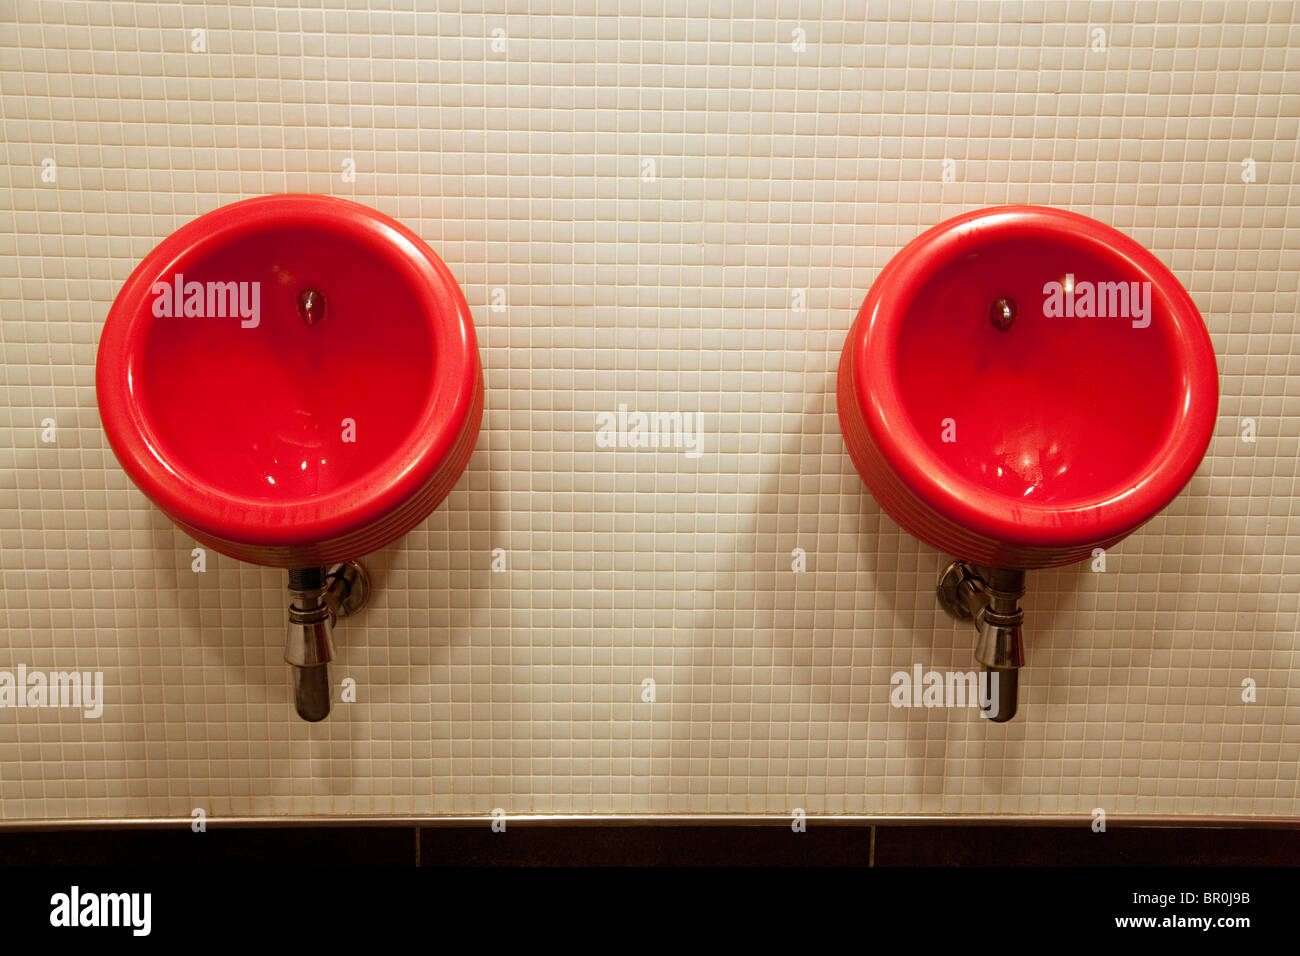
(236, 426)
(1069, 433)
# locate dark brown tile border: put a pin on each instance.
(218, 846)
(1080, 846)
(522, 845)
(596, 844)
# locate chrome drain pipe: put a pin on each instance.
(317, 596)
(990, 599)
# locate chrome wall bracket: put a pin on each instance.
(317, 596)
(990, 599)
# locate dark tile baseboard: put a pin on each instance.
(218, 846)
(1080, 846)
(542, 845)
(673, 845)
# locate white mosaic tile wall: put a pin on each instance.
(649, 190)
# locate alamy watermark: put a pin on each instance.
(625, 429)
(922, 688)
(208, 300)
(76, 908)
(1098, 300)
(83, 690)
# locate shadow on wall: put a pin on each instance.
(247, 636)
(830, 662)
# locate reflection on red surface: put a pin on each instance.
(277, 441)
(1025, 447)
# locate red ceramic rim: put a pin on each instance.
(1059, 524)
(189, 499)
